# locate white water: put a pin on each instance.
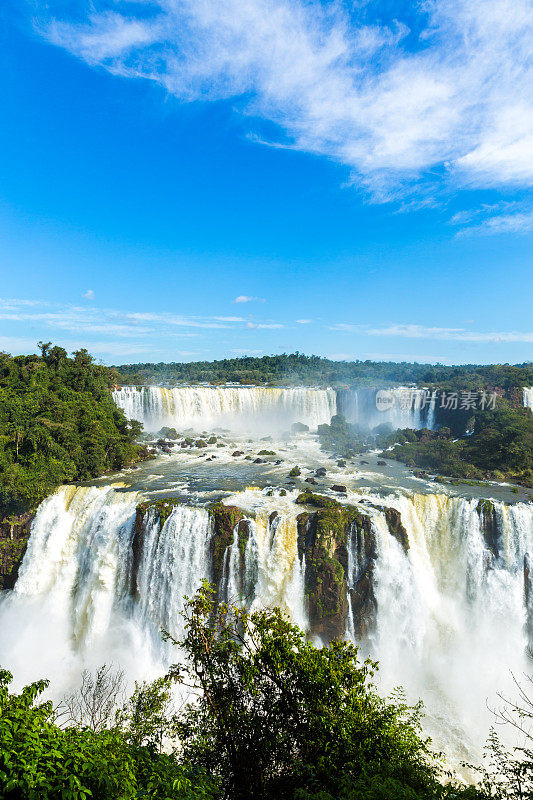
(451, 619)
(528, 397)
(240, 409)
(410, 408)
(77, 602)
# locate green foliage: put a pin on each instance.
(501, 446)
(41, 761)
(58, 423)
(38, 760)
(343, 438)
(299, 369)
(278, 718)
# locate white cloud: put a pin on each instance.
(264, 325)
(457, 101)
(518, 222)
(89, 294)
(244, 298)
(243, 351)
(304, 321)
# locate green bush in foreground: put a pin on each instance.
(41, 761)
(279, 718)
(273, 718)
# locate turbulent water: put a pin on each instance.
(256, 409)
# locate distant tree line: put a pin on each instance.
(58, 423)
(299, 369)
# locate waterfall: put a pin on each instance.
(453, 611)
(407, 408)
(174, 562)
(77, 602)
(241, 409)
(451, 622)
(528, 397)
(95, 586)
(280, 575)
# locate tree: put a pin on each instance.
(95, 703)
(275, 717)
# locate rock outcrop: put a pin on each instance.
(396, 528)
(225, 518)
(489, 526)
(14, 534)
(324, 535)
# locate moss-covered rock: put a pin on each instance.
(161, 509)
(299, 427)
(489, 526)
(323, 536)
(14, 534)
(225, 518)
(316, 500)
(295, 472)
(396, 528)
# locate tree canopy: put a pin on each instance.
(58, 423)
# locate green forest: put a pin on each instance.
(498, 445)
(58, 423)
(270, 717)
(299, 369)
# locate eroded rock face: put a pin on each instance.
(225, 518)
(489, 526)
(324, 535)
(362, 596)
(396, 528)
(14, 534)
(528, 598)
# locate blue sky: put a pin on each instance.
(195, 179)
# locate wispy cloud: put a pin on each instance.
(89, 294)
(126, 331)
(265, 325)
(518, 222)
(303, 321)
(450, 100)
(449, 334)
(244, 298)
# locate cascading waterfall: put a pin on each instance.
(452, 615)
(451, 623)
(528, 397)
(270, 573)
(409, 408)
(174, 561)
(91, 591)
(241, 409)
